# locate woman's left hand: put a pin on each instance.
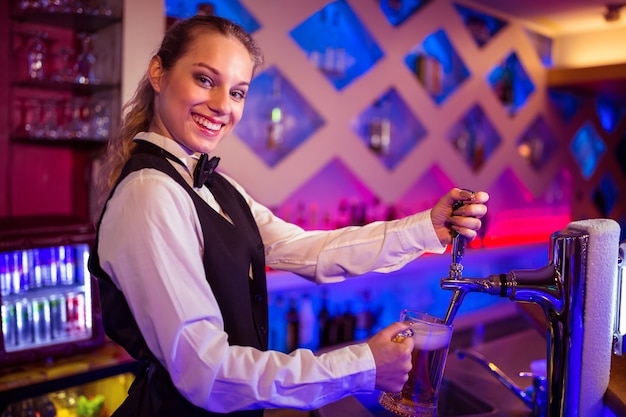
(464, 220)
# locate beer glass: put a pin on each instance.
(431, 337)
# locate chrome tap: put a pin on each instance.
(456, 270)
(619, 334)
(559, 289)
(534, 398)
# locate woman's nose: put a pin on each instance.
(218, 100)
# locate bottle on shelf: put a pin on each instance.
(306, 324)
(379, 128)
(348, 325)
(504, 85)
(276, 126)
(278, 328)
(324, 318)
(365, 318)
(430, 73)
(293, 326)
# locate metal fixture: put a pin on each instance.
(619, 327)
(559, 289)
(534, 399)
(456, 270)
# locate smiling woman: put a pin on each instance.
(181, 264)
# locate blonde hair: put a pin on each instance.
(138, 112)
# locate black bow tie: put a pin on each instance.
(203, 174)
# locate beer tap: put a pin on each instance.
(456, 270)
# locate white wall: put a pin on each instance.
(144, 26)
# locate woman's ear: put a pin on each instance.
(155, 73)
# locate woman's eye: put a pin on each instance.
(239, 95)
(204, 80)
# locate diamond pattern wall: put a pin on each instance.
(342, 57)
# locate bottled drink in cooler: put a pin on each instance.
(9, 324)
(24, 316)
(58, 316)
(41, 320)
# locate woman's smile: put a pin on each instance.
(207, 125)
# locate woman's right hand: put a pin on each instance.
(393, 359)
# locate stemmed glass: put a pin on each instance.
(53, 6)
(85, 66)
(50, 123)
(101, 119)
(34, 56)
(65, 71)
(80, 126)
(22, 113)
(23, 6)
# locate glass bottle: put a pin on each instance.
(379, 128)
(293, 326)
(276, 126)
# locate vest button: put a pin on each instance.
(258, 297)
(263, 329)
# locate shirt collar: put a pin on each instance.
(171, 146)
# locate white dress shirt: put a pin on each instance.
(151, 245)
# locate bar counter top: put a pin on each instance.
(512, 353)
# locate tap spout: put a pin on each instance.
(542, 286)
(489, 285)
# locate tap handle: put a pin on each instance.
(458, 240)
(537, 392)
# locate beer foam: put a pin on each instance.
(431, 338)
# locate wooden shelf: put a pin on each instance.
(606, 80)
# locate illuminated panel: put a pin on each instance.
(437, 66)
(511, 84)
(277, 118)
(481, 26)
(587, 147)
(337, 43)
(389, 128)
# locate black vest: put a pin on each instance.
(229, 251)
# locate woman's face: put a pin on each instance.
(201, 99)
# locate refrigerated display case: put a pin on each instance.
(73, 386)
(50, 304)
